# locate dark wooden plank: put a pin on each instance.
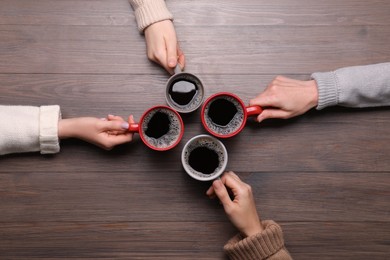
(119, 240)
(139, 196)
(337, 240)
(286, 12)
(199, 240)
(258, 50)
(70, 12)
(187, 12)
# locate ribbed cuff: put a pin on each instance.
(327, 89)
(260, 246)
(48, 129)
(149, 12)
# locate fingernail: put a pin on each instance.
(172, 62)
(103, 118)
(125, 125)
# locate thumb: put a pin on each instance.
(131, 119)
(171, 54)
(222, 193)
(115, 125)
(272, 113)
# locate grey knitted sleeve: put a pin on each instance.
(358, 86)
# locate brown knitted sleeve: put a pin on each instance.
(148, 12)
(269, 244)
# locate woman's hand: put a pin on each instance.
(163, 47)
(105, 133)
(285, 98)
(241, 209)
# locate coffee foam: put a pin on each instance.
(233, 125)
(169, 138)
(210, 144)
(196, 100)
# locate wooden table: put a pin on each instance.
(323, 176)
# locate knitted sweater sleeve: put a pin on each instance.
(358, 86)
(269, 244)
(148, 12)
(29, 129)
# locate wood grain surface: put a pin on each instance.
(324, 176)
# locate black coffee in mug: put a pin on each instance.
(224, 115)
(182, 92)
(204, 159)
(222, 111)
(158, 125)
(161, 127)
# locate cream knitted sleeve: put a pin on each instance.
(268, 244)
(148, 12)
(29, 129)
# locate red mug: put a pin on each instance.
(224, 114)
(160, 128)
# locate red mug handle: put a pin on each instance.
(254, 110)
(134, 128)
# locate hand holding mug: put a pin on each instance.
(162, 45)
(105, 133)
(241, 210)
(285, 98)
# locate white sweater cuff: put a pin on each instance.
(48, 129)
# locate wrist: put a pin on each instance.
(255, 229)
(151, 12)
(313, 93)
(66, 128)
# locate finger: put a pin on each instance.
(264, 100)
(231, 173)
(222, 193)
(182, 61)
(181, 57)
(171, 53)
(131, 119)
(232, 182)
(210, 192)
(235, 176)
(121, 139)
(112, 117)
(273, 113)
(161, 58)
(115, 125)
